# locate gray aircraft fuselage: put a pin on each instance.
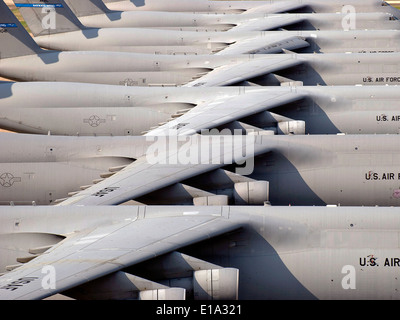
(189, 42)
(223, 22)
(42, 169)
(88, 109)
(343, 170)
(244, 6)
(328, 170)
(131, 69)
(349, 170)
(281, 252)
(184, 5)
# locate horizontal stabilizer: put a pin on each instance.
(48, 18)
(87, 8)
(15, 41)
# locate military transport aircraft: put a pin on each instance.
(28, 63)
(246, 7)
(209, 169)
(39, 169)
(89, 109)
(23, 60)
(254, 169)
(69, 34)
(218, 253)
(73, 35)
(95, 14)
(297, 170)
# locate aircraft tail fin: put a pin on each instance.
(88, 7)
(50, 17)
(15, 41)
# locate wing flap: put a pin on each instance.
(89, 255)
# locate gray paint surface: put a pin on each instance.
(305, 250)
(89, 109)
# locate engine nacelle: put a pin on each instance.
(211, 284)
(122, 286)
(216, 284)
(163, 294)
(251, 193)
(218, 200)
(291, 127)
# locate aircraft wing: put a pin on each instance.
(225, 110)
(158, 169)
(98, 251)
(277, 7)
(149, 174)
(267, 23)
(231, 74)
(266, 44)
